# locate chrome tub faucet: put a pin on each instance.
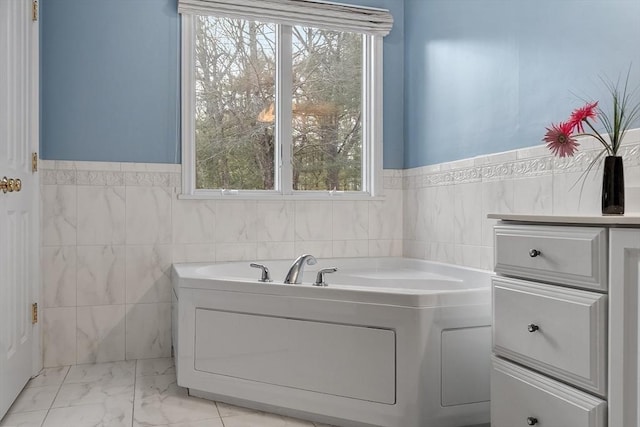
(295, 272)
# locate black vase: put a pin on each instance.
(613, 186)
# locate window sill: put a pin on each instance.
(277, 197)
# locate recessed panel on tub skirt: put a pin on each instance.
(466, 365)
(342, 360)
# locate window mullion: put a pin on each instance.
(284, 90)
(372, 114)
(367, 110)
(376, 114)
(187, 105)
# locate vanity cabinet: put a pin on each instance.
(565, 321)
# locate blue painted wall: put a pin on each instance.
(110, 81)
(484, 76)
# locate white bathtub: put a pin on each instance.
(390, 342)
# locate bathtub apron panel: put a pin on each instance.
(369, 350)
(342, 360)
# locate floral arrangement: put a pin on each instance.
(561, 137)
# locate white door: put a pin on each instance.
(19, 216)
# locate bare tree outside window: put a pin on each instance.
(327, 110)
(235, 106)
(235, 81)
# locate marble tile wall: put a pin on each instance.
(110, 232)
(446, 205)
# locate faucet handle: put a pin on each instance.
(320, 276)
(265, 277)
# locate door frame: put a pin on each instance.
(34, 134)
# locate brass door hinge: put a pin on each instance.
(34, 10)
(34, 313)
(34, 162)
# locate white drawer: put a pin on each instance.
(557, 330)
(520, 397)
(573, 256)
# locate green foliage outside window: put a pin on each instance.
(235, 113)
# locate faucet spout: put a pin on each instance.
(295, 272)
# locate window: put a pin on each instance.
(272, 107)
(235, 73)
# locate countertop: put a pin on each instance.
(610, 220)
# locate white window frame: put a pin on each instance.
(372, 106)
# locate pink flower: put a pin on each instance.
(559, 139)
(582, 114)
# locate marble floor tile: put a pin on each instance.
(264, 419)
(100, 372)
(111, 413)
(296, 422)
(254, 416)
(159, 401)
(49, 377)
(227, 410)
(34, 399)
(141, 393)
(24, 419)
(75, 394)
(214, 422)
(164, 366)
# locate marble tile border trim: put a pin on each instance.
(62, 172)
(392, 179)
(522, 163)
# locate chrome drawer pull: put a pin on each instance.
(532, 328)
(534, 253)
(532, 421)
